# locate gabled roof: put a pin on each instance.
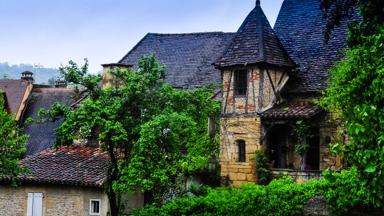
(42, 135)
(75, 166)
(300, 26)
(14, 91)
(255, 42)
(188, 57)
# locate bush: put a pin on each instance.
(263, 173)
(344, 191)
(280, 197)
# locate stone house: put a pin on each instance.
(64, 181)
(270, 78)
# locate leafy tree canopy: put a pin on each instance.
(12, 144)
(152, 132)
(371, 14)
(356, 93)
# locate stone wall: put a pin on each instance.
(59, 200)
(330, 132)
(233, 129)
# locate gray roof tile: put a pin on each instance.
(255, 42)
(300, 27)
(188, 57)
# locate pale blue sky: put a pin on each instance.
(51, 32)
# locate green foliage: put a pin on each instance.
(280, 197)
(301, 132)
(263, 172)
(371, 17)
(345, 191)
(12, 144)
(143, 123)
(357, 94)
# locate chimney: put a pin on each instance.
(27, 76)
(60, 84)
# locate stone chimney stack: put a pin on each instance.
(108, 78)
(27, 76)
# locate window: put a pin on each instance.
(241, 150)
(241, 80)
(94, 207)
(35, 204)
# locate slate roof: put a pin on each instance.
(188, 57)
(300, 27)
(76, 166)
(255, 42)
(296, 110)
(14, 91)
(41, 135)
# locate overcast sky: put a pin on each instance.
(51, 32)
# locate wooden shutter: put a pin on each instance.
(30, 205)
(38, 204)
(35, 204)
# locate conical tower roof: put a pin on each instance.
(255, 43)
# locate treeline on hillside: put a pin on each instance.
(42, 75)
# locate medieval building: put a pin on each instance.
(270, 78)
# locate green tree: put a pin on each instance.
(12, 144)
(153, 133)
(356, 93)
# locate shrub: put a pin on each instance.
(344, 191)
(280, 197)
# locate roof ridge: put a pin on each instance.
(261, 32)
(191, 33)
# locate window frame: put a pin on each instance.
(31, 206)
(241, 151)
(90, 207)
(241, 82)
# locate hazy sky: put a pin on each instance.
(51, 32)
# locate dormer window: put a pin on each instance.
(241, 81)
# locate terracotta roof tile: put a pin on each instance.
(292, 111)
(77, 166)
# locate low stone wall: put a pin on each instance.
(298, 176)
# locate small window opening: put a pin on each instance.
(94, 208)
(241, 150)
(241, 80)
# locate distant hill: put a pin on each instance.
(41, 75)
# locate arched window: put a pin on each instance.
(241, 150)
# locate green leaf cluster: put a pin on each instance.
(153, 133)
(280, 197)
(12, 143)
(356, 93)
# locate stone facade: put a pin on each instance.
(240, 120)
(59, 200)
(233, 129)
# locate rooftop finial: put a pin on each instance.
(257, 3)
